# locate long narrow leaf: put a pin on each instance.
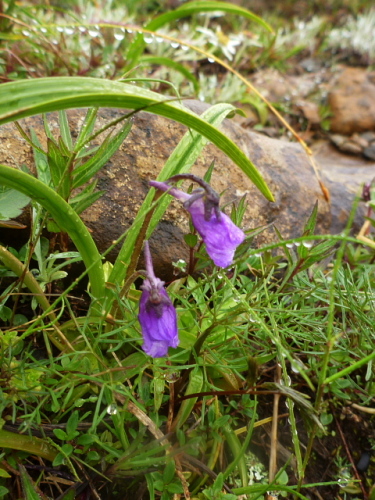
(137, 47)
(85, 172)
(28, 487)
(170, 63)
(199, 6)
(30, 97)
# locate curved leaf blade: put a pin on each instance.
(65, 217)
(196, 7)
(29, 97)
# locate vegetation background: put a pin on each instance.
(270, 393)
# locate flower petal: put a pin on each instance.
(220, 235)
(176, 193)
(159, 324)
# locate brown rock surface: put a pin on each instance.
(141, 157)
(352, 101)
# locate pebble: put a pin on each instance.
(356, 144)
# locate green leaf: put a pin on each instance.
(199, 6)
(3, 491)
(28, 488)
(159, 485)
(85, 172)
(32, 445)
(72, 424)
(40, 159)
(67, 449)
(65, 130)
(309, 230)
(93, 455)
(170, 63)
(29, 97)
(159, 387)
(11, 203)
(208, 174)
(59, 460)
(195, 385)
(219, 482)
(57, 164)
(137, 47)
(169, 472)
(5, 312)
(85, 202)
(191, 240)
(4, 473)
(86, 439)
(60, 434)
(174, 488)
(86, 129)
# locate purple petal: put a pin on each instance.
(158, 323)
(177, 193)
(221, 236)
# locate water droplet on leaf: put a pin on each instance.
(112, 409)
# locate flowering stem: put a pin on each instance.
(148, 260)
(138, 244)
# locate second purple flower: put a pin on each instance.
(157, 316)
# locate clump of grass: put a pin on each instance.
(354, 40)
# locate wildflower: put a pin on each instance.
(157, 316)
(366, 191)
(218, 232)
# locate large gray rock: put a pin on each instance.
(125, 177)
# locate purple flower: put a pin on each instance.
(218, 232)
(157, 316)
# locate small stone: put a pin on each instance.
(337, 139)
(369, 152)
(352, 102)
(368, 136)
(360, 140)
(351, 147)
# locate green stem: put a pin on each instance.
(350, 369)
(32, 445)
(12, 263)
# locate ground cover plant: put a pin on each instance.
(240, 378)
